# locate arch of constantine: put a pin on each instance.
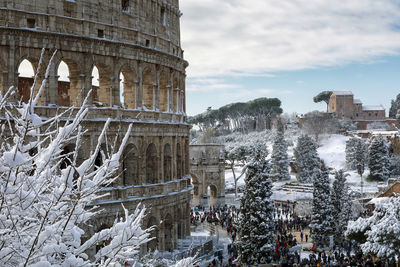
(133, 47)
(207, 169)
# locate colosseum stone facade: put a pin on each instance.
(138, 40)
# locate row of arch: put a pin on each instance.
(150, 88)
(132, 164)
(152, 162)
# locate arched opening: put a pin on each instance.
(175, 95)
(211, 195)
(130, 165)
(168, 233)
(25, 80)
(167, 163)
(179, 172)
(164, 93)
(95, 85)
(148, 90)
(127, 92)
(152, 244)
(151, 164)
(63, 84)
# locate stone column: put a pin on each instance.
(136, 103)
(4, 82)
(169, 98)
(52, 88)
(155, 97)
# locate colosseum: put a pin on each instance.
(128, 52)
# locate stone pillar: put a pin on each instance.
(155, 90)
(86, 86)
(52, 88)
(136, 103)
(115, 92)
(169, 97)
(4, 82)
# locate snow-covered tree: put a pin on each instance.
(394, 107)
(379, 234)
(256, 236)
(322, 220)
(395, 165)
(350, 153)
(306, 159)
(234, 155)
(44, 203)
(379, 163)
(340, 208)
(279, 158)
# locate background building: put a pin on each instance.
(343, 105)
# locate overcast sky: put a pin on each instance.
(239, 50)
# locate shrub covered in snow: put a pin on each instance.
(379, 234)
(44, 204)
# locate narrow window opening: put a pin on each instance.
(100, 33)
(147, 43)
(31, 23)
(163, 17)
(125, 5)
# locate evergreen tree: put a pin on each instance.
(256, 236)
(346, 213)
(379, 233)
(350, 153)
(280, 159)
(339, 197)
(307, 161)
(394, 107)
(379, 163)
(322, 220)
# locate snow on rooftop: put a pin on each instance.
(373, 108)
(357, 101)
(342, 92)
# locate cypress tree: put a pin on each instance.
(379, 163)
(279, 158)
(306, 159)
(322, 220)
(256, 236)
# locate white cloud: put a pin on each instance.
(257, 37)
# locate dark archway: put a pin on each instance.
(167, 163)
(151, 164)
(130, 165)
(168, 233)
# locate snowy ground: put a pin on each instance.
(332, 151)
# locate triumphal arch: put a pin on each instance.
(128, 54)
(207, 168)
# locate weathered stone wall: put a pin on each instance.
(136, 38)
(207, 168)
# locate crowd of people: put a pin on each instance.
(291, 231)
